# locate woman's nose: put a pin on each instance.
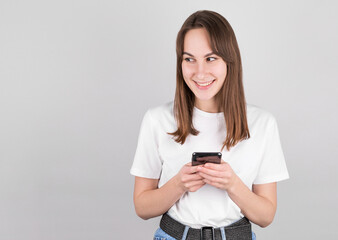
(200, 71)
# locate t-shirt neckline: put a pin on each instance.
(207, 114)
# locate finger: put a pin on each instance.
(194, 177)
(220, 167)
(195, 183)
(214, 165)
(210, 178)
(191, 169)
(191, 177)
(215, 184)
(211, 172)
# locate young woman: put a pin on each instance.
(209, 114)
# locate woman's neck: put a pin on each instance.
(207, 105)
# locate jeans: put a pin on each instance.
(161, 235)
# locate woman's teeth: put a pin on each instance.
(204, 84)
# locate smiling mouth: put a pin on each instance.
(204, 84)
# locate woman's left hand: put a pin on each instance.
(218, 175)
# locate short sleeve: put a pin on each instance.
(147, 162)
(273, 167)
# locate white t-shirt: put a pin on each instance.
(256, 160)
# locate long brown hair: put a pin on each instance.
(230, 98)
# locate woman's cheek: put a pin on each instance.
(187, 71)
(220, 71)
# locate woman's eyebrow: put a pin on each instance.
(209, 54)
(188, 54)
(206, 55)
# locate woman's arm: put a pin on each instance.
(258, 205)
(151, 201)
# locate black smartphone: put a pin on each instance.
(199, 158)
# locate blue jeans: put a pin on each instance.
(161, 235)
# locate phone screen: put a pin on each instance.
(199, 158)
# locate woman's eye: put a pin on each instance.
(211, 59)
(188, 60)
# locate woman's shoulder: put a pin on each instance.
(258, 115)
(161, 114)
(161, 110)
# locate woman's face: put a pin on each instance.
(203, 71)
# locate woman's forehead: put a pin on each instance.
(197, 42)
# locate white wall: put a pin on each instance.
(77, 76)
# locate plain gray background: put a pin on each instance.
(76, 78)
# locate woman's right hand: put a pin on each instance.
(188, 180)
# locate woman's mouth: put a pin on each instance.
(204, 85)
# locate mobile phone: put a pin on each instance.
(199, 158)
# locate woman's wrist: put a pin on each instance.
(236, 183)
(178, 184)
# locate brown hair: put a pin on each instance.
(230, 98)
